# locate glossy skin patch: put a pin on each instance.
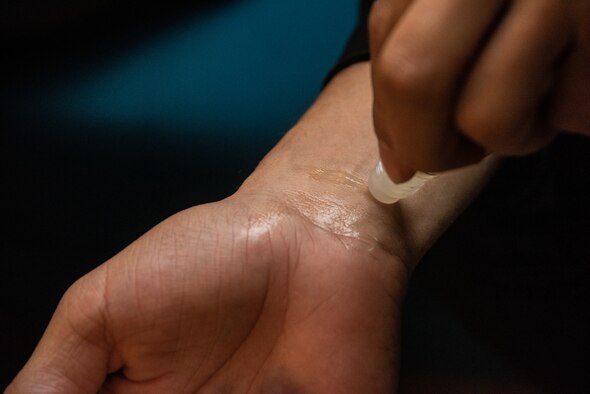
(337, 177)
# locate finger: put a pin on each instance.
(570, 102)
(382, 19)
(73, 355)
(397, 171)
(512, 77)
(415, 75)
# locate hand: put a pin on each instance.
(292, 284)
(457, 79)
(241, 296)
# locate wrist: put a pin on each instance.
(319, 171)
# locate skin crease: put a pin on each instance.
(455, 80)
(281, 288)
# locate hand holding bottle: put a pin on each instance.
(455, 80)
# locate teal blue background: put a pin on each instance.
(251, 65)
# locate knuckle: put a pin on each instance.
(406, 77)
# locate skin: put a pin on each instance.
(456, 80)
(283, 287)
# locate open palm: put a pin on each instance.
(227, 297)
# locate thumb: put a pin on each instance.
(73, 354)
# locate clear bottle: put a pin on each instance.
(384, 190)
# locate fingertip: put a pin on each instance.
(397, 171)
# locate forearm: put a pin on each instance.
(322, 164)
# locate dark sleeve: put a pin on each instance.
(357, 47)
